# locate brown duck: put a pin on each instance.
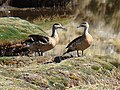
(82, 42)
(42, 44)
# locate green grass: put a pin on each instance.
(5, 58)
(14, 29)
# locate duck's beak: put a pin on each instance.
(80, 26)
(64, 28)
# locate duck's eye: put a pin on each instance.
(83, 23)
(57, 25)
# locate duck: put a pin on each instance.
(82, 42)
(41, 44)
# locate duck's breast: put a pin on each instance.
(84, 43)
(47, 46)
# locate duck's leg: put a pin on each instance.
(71, 55)
(78, 53)
(34, 54)
(41, 53)
(38, 52)
(82, 52)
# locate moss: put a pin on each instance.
(104, 61)
(106, 65)
(74, 77)
(58, 82)
(115, 63)
(5, 58)
(87, 71)
(95, 67)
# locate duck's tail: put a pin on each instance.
(69, 50)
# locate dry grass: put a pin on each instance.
(116, 43)
(95, 11)
(95, 72)
(99, 69)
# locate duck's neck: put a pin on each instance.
(85, 31)
(54, 32)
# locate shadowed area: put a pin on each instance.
(58, 59)
(35, 3)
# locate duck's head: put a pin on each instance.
(84, 24)
(59, 26)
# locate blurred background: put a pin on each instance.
(102, 15)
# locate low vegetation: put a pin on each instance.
(98, 69)
(95, 72)
(13, 30)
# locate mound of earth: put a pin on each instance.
(41, 73)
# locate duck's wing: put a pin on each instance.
(75, 41)
(43, 40)
(28, 40)
(39, 38)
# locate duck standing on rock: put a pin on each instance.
(41, 44)
(82, 42)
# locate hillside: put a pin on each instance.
(41, 73)
(14, 29)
